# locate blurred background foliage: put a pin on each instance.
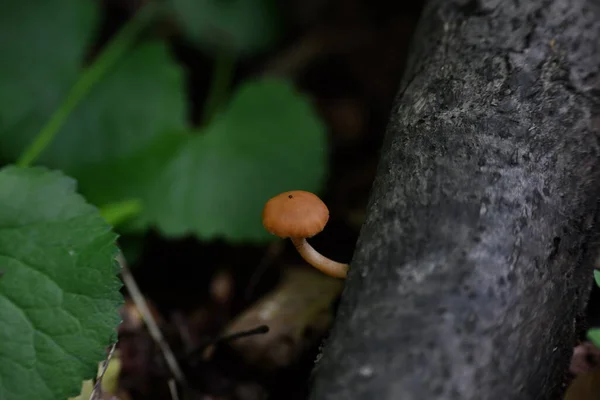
(132, 138)
(179, 119)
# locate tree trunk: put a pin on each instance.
(476, 255)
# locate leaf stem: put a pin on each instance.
(222, 78)
(89, 77)
(98, 385)
(119, 212)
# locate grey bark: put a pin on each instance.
(476, 255)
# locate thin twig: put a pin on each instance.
(97, 387)
(209, 350)
(273, 251)
(153, 329)
(173, 389)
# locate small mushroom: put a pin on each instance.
(298, 215)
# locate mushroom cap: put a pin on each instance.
(295, 214)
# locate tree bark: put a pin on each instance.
(476, 254)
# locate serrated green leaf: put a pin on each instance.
(59, 292)
(244, 26)
(42, 44)
(597, 277)
(267, 141)
(594, 336)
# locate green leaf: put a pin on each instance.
(130, 177)
(135, 102)
(597, 277)
(42, 44)
(59, 292)
(267, 141)
(142, 97)
(244, 26)
(214, 183)
(594, 336)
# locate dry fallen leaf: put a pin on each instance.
(298, 312)
(585, 386)
(222, 287)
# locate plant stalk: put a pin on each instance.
(89, 77)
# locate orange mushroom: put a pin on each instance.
(298, 215)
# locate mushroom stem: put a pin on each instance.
(317, 260)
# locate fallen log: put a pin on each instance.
(475, 257)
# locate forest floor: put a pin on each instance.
(348, 57)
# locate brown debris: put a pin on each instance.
(585, 358)
(297, 312)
